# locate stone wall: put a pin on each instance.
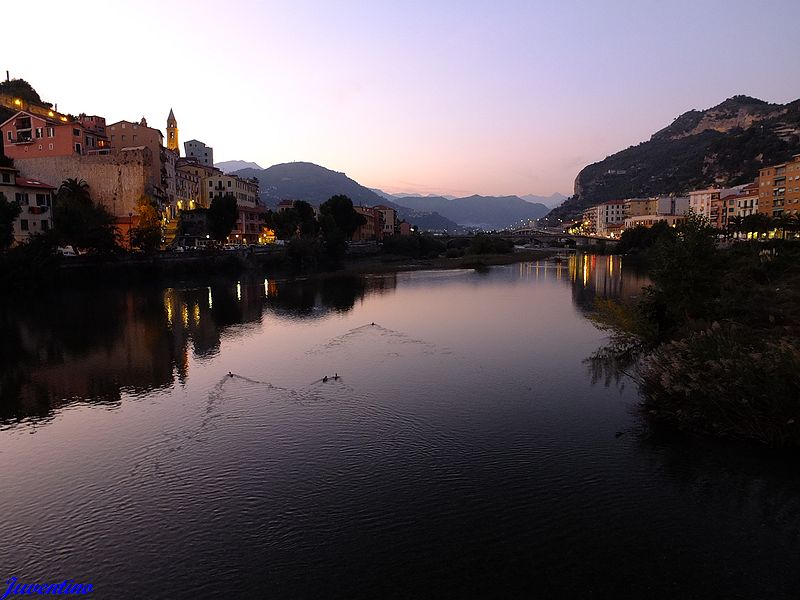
(116, 181)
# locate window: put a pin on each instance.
(76, 132)
(123, 138)
(77, 148)
(6, 178)
(41, 199)
(45, 225)
(23, 224)
(38, 132)
(49, 146)
(9, 135)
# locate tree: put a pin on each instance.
(686, 276)
(9, 211)
(340, 208)
(756, 223)
(306, 218)
(222, 216)
(734, 226)
(81, 222)
(147, 234)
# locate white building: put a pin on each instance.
(197, 149)
(34, 198)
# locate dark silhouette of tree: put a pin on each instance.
(306, 218)
(79, 221)
(756, 223)
(340, 208)
(9, 211)
(222, 216)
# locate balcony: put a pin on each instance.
(22, 139)
(38, 210)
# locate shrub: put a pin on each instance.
(728, 381)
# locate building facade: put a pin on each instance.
(779, 189)
(35, 199)
(28, 135)
(197, 149)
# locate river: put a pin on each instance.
(465, 449)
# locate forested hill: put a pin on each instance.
(723, 145)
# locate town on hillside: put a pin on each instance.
(767, 207)
(129, 169)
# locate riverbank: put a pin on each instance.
(41, 271)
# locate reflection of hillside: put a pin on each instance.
(92, 345)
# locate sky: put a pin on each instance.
(437, 96)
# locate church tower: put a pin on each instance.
(172, 133)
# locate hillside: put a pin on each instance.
(723, 145)
(315, 184)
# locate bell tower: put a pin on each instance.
(172, 133)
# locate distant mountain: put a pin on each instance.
(315, 184)
(550, 201)
(485, 212)
(231, 166)
(724, 146)
(389, 196)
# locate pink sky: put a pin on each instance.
(438, 96)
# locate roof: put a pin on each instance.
(52, 120)
(32, 183)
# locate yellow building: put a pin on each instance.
(172, 133)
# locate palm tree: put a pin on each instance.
(79, 221)
(735, 226)
(781, 223)
(75, 190)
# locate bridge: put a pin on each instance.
(535, 234)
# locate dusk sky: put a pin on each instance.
(440, 96)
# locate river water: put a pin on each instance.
(463, 452)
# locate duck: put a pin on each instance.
(324, 379)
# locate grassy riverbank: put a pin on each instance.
(714, 343)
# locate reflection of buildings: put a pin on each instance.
(595, 276)
(91, 345)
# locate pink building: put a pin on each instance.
(27, 135)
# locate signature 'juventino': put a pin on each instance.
(66, 587)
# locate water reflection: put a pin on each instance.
(93, 346)
(74, 346)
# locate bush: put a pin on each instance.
(728, 381)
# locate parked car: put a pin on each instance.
(66, 251)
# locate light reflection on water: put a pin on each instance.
(462, 452)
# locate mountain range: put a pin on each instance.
(315, 184)
(724, 145)
(231, 166)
